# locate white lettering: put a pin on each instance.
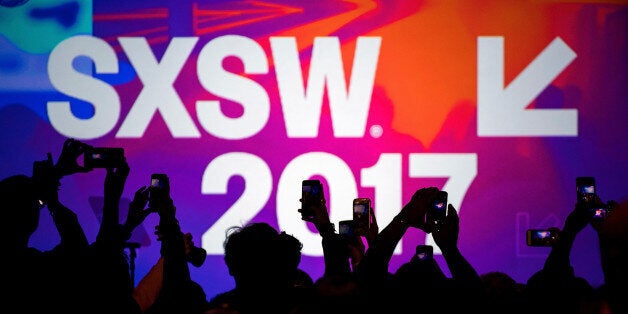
(248, 93)
(258, 186)
(302, 107)
(70, 82)
(158, 93)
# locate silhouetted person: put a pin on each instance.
(264, 265)
(150, 293)
(419, 286)
(35, 280)
(337, 290)
(465, 280)
(613, 237)
(502, 294)
(555, 288)
(107, 272)
(149, 288)
(372, 272)
(178, 292)
(423, 279)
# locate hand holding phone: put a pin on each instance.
(311, 199)
(436, 213)
(160, 181)
(68, 162)
(345, 228)
(159, 188)
(585, 189)
(542, 237)
(599, 213)
(103, 157)
(413, 213)
(361, 216)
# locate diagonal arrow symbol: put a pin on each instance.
(502, 111)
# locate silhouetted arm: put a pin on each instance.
(557, 262)
(70, 231)
(179, 294)
(176, 270)
(375, 263)
(149, 287)
(334, 250)
(378, 256)
(46, 178)
(137, 210)
(557, 270)
(613, 239)
(447, 240)
(111, 234)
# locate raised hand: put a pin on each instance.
(68, 159)
(46, 180)
(318, 206)
(115, 179)
(137, 209)
(582, 215)
(373, 231)
(355, 249)
(446, 237)
(598, 223)
(415, 210)
(312, 199)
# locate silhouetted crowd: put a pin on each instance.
(77, 276)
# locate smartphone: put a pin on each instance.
(541, 237)
(345, 228)
(599, 213)
(585, 189)
(103, 157)
(159, 181)
(311, 195)
(424, 252)
(361, 215)
(159, 184)
(437, 212)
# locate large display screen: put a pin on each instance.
(500, 103)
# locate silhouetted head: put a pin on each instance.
(498, 284)
(421, 280)
(502, 293)
(337, 293)
(20, 207)
(614, 232)
(421, 270)
(614, 236)
(303, 279)
(258, 256)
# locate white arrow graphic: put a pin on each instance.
(502, 111)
